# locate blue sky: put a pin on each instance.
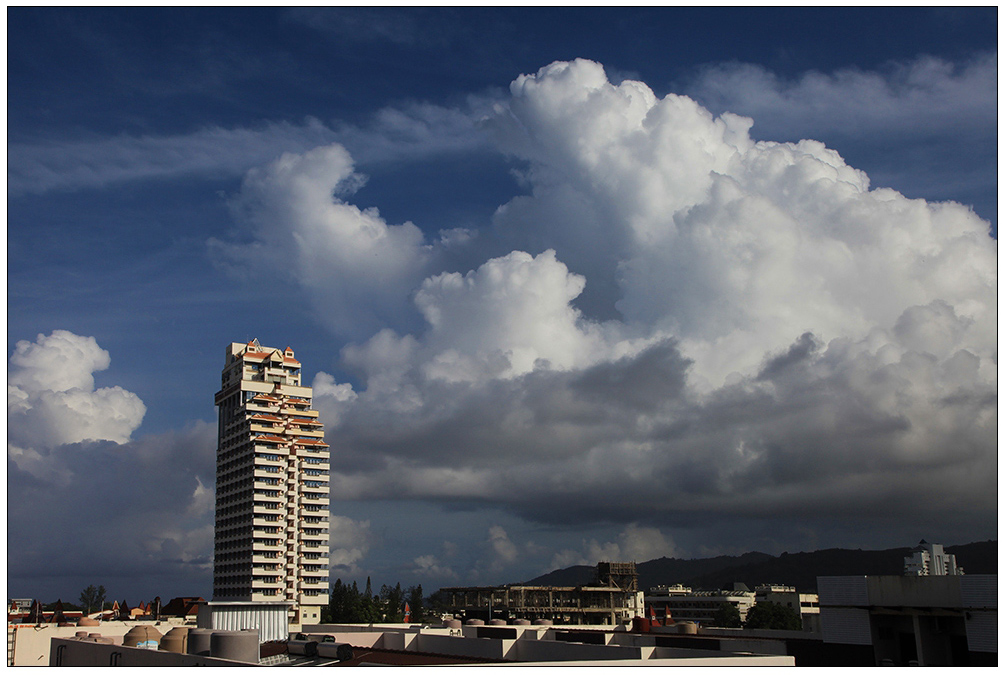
(569, 283)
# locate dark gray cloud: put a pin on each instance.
(115, 514)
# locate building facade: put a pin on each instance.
(271, 485)
(683, 604)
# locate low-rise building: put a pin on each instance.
(806, 605)
(613, 599)
(680, 603)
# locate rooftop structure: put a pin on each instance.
(271, 485)
(347, 645)
(935, 620)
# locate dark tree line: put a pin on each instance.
(761, 615)
(348, 605)
(92, 597)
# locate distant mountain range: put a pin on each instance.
(791, 569)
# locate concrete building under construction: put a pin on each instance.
(611, 599)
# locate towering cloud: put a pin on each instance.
(689, 324)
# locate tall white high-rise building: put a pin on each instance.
(930, 560)
(271, 485)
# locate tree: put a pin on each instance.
(727, 616)
(415, 604)
(392, 603)
(773, 616)
(92, 597)
(368, 605)
(335, 611)
(438, 603)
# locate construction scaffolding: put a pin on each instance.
(612, 599)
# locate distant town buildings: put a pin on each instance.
(271, 486)
(681, 603)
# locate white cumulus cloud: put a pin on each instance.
(52, 399)
(691, 324)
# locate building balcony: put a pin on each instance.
(311, 432)
(313, 597)
(251, 406)
(269, 595)
(262, 428)
(299, 411)
(272, 449)
(316, 557)
(312, 499)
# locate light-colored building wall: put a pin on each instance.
(272, 487)
(685, 604)
(806, 605)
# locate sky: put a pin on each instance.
(569, 284)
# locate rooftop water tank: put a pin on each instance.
(199, 641)
(175, 640)
(235, 645)
(144, 637)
